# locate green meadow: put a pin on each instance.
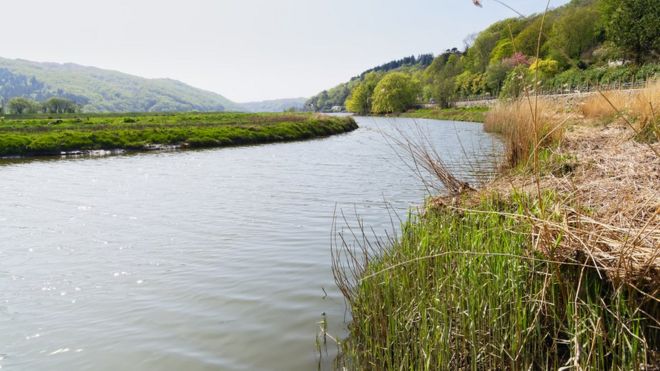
(49, 135)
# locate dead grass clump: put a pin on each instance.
(610, 203)
(597, 107)
(526, 125)
(640, 107)
(645, 107)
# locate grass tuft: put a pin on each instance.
(525, 129)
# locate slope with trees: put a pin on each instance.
(338, 95)
(98, 90)
(583, 43)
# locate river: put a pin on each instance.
(195, 260)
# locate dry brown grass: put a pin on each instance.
(640, 106)
(611, 195)
(645, 104)
(526, 125)
(610, 204)
(597, 107)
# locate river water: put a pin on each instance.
(196, 260)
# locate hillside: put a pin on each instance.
(275, 105)
(585, 43)
(336, 96)
(98, 90)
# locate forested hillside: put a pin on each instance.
(97, 90)
(337, 95)
(584, 43)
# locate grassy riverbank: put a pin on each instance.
(554, 264)
(473, 114)
(40, 135)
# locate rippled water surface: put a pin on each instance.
(193, 260)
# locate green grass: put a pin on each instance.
(649, 131)
(42, 135)
(472, 114)
(464, 290)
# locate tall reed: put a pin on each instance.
(525, 129)
(462, 290)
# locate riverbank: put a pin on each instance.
(553, 264)
(47, 136)
(472, 114)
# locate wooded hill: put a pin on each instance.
(97, 90)
(583, 43)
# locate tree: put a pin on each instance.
(360, 99)
(495, 76)
(634, 27)
(545, 67)
(574, 33)
(60, 105)
(478, 56)
(527, 41)
(442, 76)
(21, 106)
(396, 92)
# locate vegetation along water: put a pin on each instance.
(52, 135)
(532, 242)
(554, 263)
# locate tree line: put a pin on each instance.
(583, 42)
(26, 106)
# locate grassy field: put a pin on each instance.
(42, 136)
(473, 114)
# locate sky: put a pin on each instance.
(246, 50)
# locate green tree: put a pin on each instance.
(21, 106)
(480, 54)
(442, 77)
(634, 26)
(574, 33)
(503, 49)
(60, 105)
(527, 41)
(545, 67)
(359, 101)
(495, 76)
(396, 92)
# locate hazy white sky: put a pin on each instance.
(243, 49)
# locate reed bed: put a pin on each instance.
(526, 124)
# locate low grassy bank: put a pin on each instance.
(40, 135)
(554, 265)
(464, 289)
(473, 114)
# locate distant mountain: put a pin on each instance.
(276, 105)
(98, 90)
